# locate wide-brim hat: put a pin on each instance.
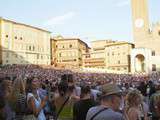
(110, 89)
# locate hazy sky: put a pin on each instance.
(86, 19)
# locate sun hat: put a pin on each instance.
(109, 89)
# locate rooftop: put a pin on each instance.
(61, 38)
(119, 43)
(24, 24)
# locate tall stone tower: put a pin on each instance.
(140, 22)
(145, 57)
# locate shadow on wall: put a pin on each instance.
(22, 57)
(26, 64)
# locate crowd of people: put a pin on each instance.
(31, 92)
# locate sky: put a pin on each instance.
(88, 20)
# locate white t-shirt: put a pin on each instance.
(41, 115)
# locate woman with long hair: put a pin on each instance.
(34, 102)
(134, 107)
(18, 98)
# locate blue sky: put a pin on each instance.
(87, 19)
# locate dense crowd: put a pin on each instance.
(31, 92)
(53, 74)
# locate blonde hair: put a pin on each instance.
(132, 97)
(18, 88)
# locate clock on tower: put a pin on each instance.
(139, 23)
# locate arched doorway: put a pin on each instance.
(140, 63)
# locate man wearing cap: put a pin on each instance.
(110, 104)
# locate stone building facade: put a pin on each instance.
(23, 44)
(145, 56)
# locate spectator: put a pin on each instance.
(34, 101)
(81, 107)
(18, 98)
(71, 88)
(64, 103)
(94, 93)
(134, 106)
(2, 105)
(7, 87)
(151, 88)
(2, 101)
(110, 103)
(154, 103)
(157, 109)
(142, 88)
